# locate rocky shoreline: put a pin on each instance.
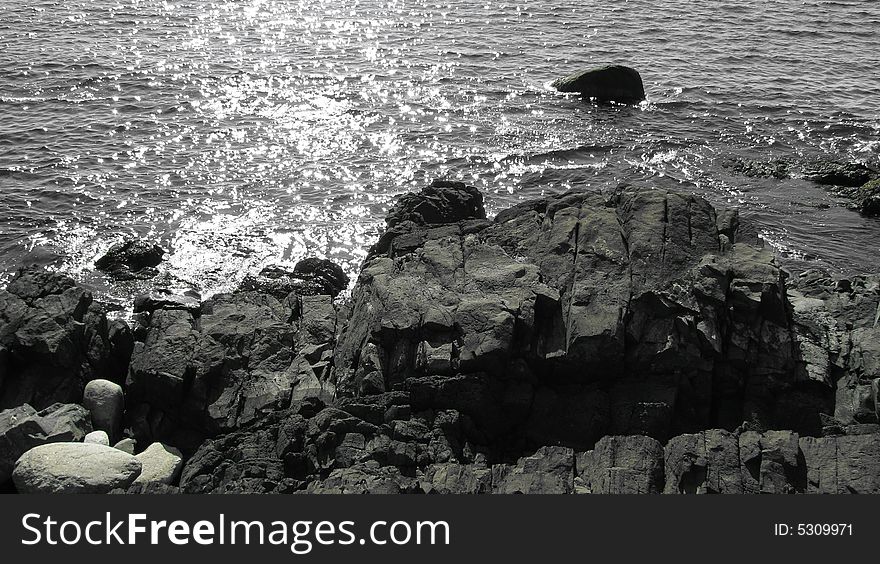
(637, 341)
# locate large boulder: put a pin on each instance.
(53, 339)
(74, 468)
(610, 83)
(23, 428)
(131, 259)
(577, 316)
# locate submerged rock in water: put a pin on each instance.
(840, 174)
(610, 83)
(868, 198)
(131, 259)
(776, 168)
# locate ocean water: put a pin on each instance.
(253, 132)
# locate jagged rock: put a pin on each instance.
(868, 198)
(74, 468)
(251, 460)
(578, 316)
(455, 478)
(131, 259)
(23, 428)
(152, 301)
(623, 465)
(641, 316)
(841, 465)
(441, 202)
(718, 461)
(840, 174)
(549, 471)
(369, 478)
(775, 168)
(161, 463)
(309, 277)
(104, 400)
(148, 488)
(98, 438)
(248, 353)
(55, 340)
(610, 83)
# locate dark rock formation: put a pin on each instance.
(23, 428)
(131, 259)
(441, 202)
(639, 316)
(868, 198)
(623, 465)
(194, 374)
(632, 342)
(310, 276)
(150, 302)
(775, 168)
(840, 174)
(610, 83)
(54, 339)
(575, 317)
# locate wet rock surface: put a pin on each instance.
(131, 259)
(310, 276)
(637, 341)
(840, 174)
(610, 83)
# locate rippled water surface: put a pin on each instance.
(250, 132)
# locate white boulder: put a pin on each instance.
(104, 399)
(74, 468)
(161, 463)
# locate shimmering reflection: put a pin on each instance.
(244, 133)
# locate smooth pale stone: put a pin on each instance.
(161, 463)
(98, 438)
(104, 399)
(126, 445)
(74, 468)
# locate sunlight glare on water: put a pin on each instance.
(248, 133)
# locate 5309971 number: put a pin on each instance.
(813, 529)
